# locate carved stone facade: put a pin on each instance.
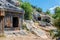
(11, 16)
(11, 20)
(41, 17)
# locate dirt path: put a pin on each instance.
(18, 36)
(21, 37)
(29, 36)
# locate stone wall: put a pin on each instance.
(1, 25)
(9, 20)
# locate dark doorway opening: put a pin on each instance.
(15, 21)
(47, 20)
(39, 18)
(1, 18)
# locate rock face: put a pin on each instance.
(23, 32)
(14, 2)
(36, 31)
(11, 5)
(44, 24)
(44, 19)
(41, 23)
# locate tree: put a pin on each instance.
(28, 10)
(57, 12)
(57, 21)
(39, 9)
(47, 12)
(20, 0)
(57, 17)
(33, 6)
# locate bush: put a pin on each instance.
(55, 33)
(57, 23)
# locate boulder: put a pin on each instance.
(43, 24)
(36, 31)
(23, 32)
(48, 24)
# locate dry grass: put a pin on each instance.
(2, 35)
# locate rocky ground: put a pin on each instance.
(27, 35)
(24, 35)
(17, 36)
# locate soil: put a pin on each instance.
(29, 36)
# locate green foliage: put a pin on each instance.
(47, 12)
(28, 10)
(33, 6)
(57, 17)
(20, 0)
(39, 9)
(54, 16)
(57, 12)
(57, 23)
(55, 33)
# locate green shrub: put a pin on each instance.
(55, 33)
(57, 23)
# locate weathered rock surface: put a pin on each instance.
(23, 32)
(44, 24)
(36, 31)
